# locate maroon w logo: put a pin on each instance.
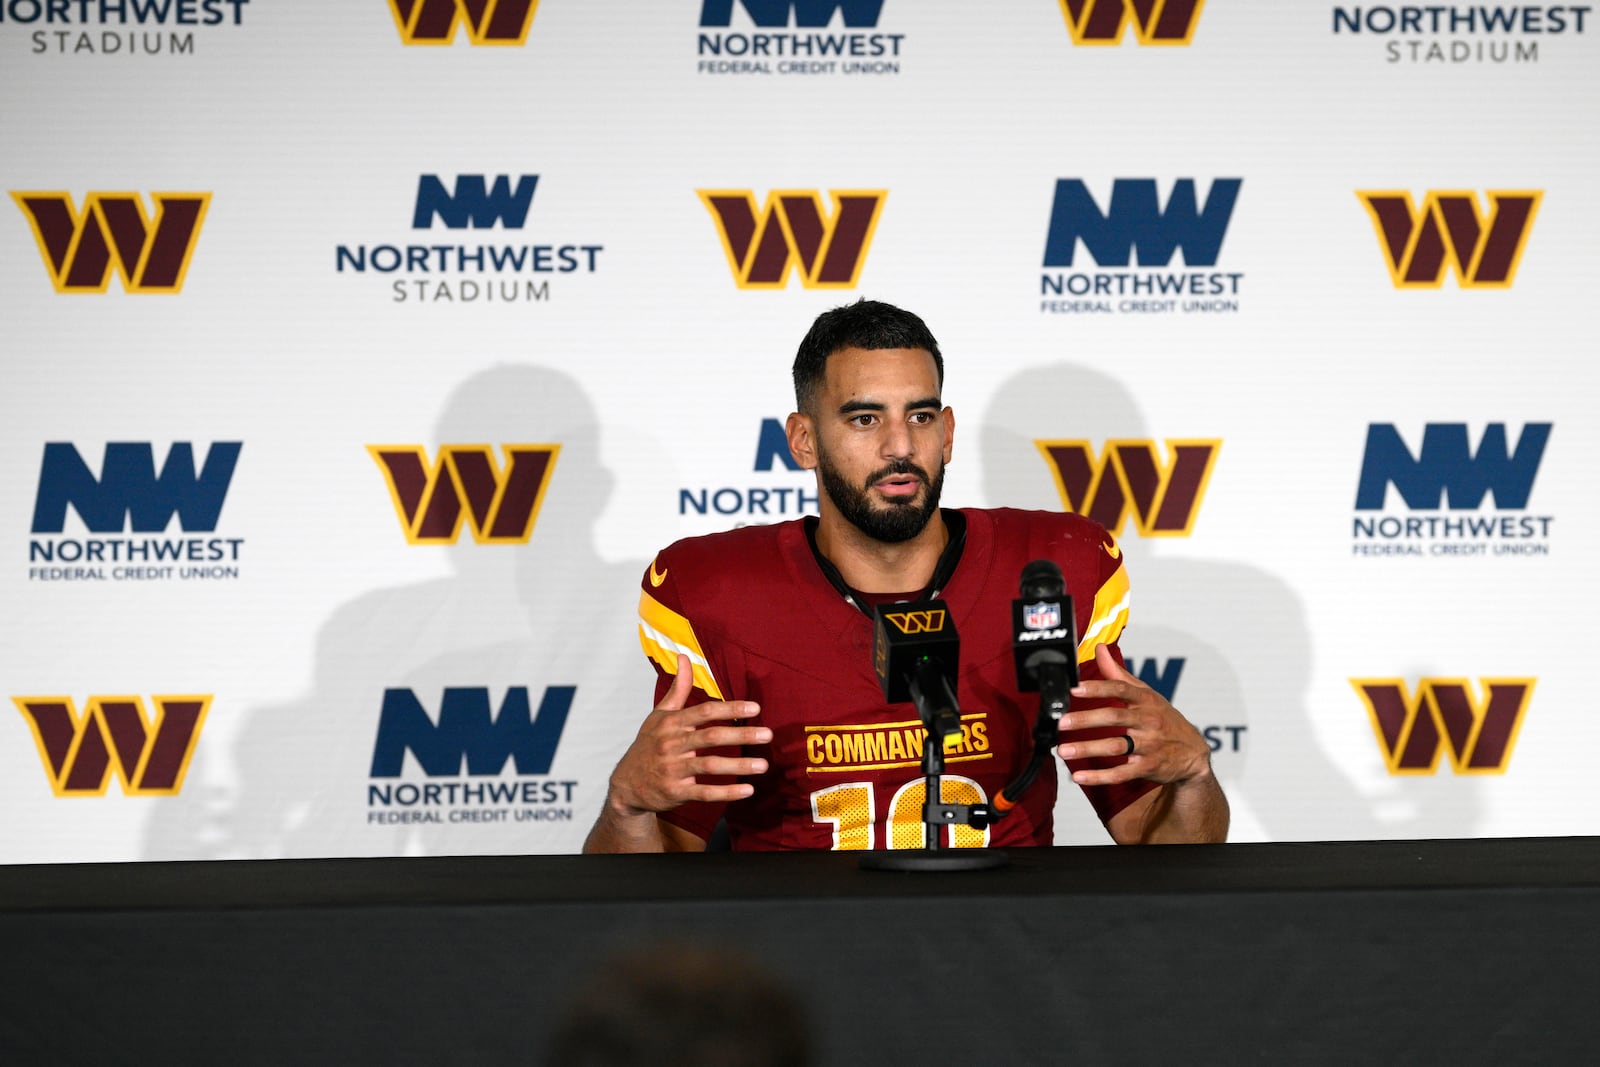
(466, 485)
(1130, 479)
(1102, 22)
(433, 22)
(792, 230)
(1445, 717)
(80, 752)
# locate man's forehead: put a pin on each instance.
(855, 371)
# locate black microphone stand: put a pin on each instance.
(936, 705)
(1055, 680)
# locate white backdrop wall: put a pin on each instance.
(323, 632)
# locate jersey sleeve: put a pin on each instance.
(1109, 613)
(1108, 616)
(665, 632)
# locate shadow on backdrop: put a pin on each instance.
(547, 613)
(1240, 630)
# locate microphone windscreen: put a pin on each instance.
(1042, 580)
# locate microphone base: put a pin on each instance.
(945, 859)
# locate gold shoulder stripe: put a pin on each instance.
(1109, 616)
(663, 634)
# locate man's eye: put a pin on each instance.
(862, 420)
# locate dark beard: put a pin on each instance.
(901, 520)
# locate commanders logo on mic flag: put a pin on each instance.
(114, 734)
(917, 622)
(113, 231)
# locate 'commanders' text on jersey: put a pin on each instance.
(759, 621)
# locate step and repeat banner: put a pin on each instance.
(359, 356)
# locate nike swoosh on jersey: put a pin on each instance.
(656, 579)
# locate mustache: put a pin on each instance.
(899, 466)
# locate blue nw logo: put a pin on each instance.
(1135, 222)
(468, 730)
(129, 491)
(1448, 465)
(808, 14)
(773, 444)
(474, 203)
(1163, 680)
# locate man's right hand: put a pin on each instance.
(662, 768)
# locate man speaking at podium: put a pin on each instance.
(769, 712)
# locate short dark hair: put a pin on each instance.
(865, 324)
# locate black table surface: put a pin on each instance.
(1492, 863)
(1459, 951)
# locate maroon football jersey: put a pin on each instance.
(760, 621)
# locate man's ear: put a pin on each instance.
(801, 432)
(949, 434)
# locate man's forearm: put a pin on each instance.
(1193, 811)
(615, 831)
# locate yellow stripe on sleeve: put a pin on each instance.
(664, 634)
(1110, 615)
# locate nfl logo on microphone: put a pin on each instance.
(1045, 615)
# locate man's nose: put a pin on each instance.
(896, 443)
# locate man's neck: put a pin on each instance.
(873, 566)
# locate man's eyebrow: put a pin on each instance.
(850, 407)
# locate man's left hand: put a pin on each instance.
(1166, 746)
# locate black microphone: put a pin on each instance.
(1045, 642)
(917, 656)
(1044, 637)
